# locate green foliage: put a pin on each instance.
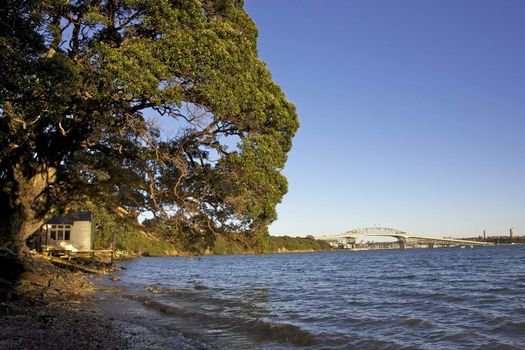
(77, 81)
(131, 238)
(223, 245)
(231, 243)
(273, 244)
(286, 243)
(137, 243)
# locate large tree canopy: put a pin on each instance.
(84, 87)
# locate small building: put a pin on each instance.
(71, 232)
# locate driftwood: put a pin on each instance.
(73, 265)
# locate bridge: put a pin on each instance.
(349, 238)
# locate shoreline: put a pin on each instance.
(48, 307)
(66, 324)
(71, 324)
(284, 251)
(54, 308)
(190, 256)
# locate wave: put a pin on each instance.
(511, 327)
(201, 296)
(459, 336)
(490, 300)
(406, 277)
(416, 322)
(519, 310)
(501, 290)
(257, 328)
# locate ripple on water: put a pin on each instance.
(512, 328)
(496, 345)
(519, 310)
(489, 300)
(501, 290)
(401, 277)
(366, 343)
(256, 328)
(417, 323)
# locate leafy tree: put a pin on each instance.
(83, 86)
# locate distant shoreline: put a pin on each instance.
(284, 251)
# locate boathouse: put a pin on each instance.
(70, 232)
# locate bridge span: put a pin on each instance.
(349, 238)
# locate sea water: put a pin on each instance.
(446, 298)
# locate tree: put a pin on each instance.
(85, 87)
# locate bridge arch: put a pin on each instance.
(375, 231)
(350, 238)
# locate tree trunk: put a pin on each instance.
(14, 253)
(24, 211)
(22, 223)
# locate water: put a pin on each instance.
(471, 298)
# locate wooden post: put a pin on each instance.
(113, 245)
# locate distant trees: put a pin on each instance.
(83, 85)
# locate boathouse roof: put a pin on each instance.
(68, 219)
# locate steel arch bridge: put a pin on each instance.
(350, 237)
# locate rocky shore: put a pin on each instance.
(52, 308)
(27, 324)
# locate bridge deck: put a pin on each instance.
(399, 234)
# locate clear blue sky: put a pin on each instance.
(412, 113)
